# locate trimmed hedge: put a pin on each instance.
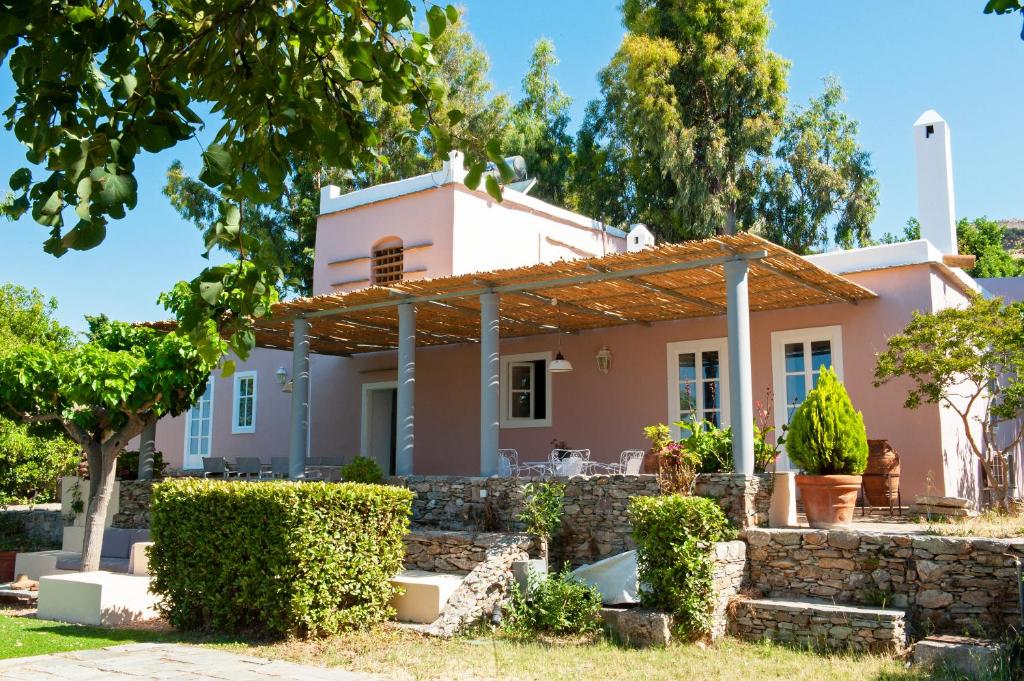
(674, 534)
(281, 558)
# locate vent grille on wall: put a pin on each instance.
(387, 265)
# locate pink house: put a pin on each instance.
(437, 314)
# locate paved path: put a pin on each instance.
(166, 662)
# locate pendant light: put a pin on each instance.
(560, 364)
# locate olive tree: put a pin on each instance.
(102, 393)
(968, 360)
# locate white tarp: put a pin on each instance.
(615, 578)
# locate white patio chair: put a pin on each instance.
(508, 463)
(568, 462)
(631, 462)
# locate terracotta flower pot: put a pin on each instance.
(829, 500)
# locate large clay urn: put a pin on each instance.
(882, 476)
(829, 500)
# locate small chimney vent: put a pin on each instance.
(639, 238)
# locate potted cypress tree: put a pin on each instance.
(827, 441)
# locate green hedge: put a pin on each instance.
(674, 534)
(282, 558)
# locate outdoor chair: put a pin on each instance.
(248, 467)
(631, 462)
(215, 466)
(508, 463)
(569, 462)
(279, 468)
(311, 473)
(509, 466)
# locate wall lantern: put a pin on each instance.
(604, 359)
(282, 377)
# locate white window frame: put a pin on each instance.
(237, 429)
(505, 361)
(188, 459)
(673, 350)
(833, 334)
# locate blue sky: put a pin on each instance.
(895, 59)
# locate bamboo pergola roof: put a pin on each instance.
(668, 282)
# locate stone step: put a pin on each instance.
(425, 594)
(823, 626)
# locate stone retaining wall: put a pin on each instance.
(945, 584)
(40, 523)
(486, 585)
(730, 561)
(454, 552)
(820, 626)
(133, 504)
(594, 525)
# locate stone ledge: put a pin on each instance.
(803, 606)
(823, 626)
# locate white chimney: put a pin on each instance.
(935, 182)
(639, 238)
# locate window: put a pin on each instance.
(797, 358)
(525, 391)
(698, 380)
(387, 264)
(243, 415)
(199, 427)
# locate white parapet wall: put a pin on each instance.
(74, 490)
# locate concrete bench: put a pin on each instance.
(425, 595)
(97, 598)
(115, 556)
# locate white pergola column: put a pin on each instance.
(147, 447)
(741, 394)
(300, 400)
(405, 403)
(489, 381)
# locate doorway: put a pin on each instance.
(378, 430)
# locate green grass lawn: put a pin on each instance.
(399, 654)
(23, 636)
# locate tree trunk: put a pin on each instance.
(102, 488)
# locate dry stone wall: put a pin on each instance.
(134, 498)
(730, 571)
(487, 584)
(454, 552)
(40, 523)
(821, 626)
(594, 525)
(951, 585)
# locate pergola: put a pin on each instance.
(729, 275)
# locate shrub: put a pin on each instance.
(559, 604)
(826, 435)
(32, 461)
(282, 558)
(674, 534)
(711, 445)
(362, 469)
(542, 510)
